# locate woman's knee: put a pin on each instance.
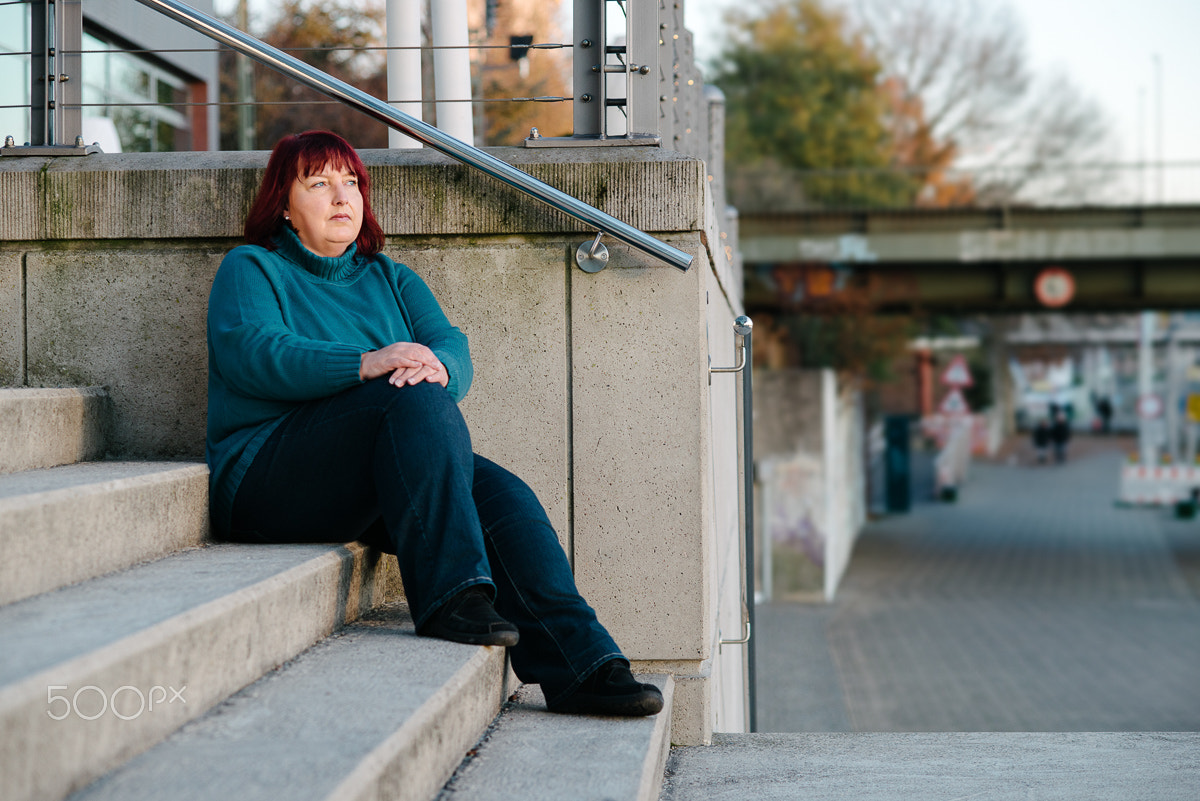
(424, 404)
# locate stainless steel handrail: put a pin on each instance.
(743, 329)
(418, 129)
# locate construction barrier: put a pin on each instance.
(1163, 485)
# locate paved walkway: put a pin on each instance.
(1032, 604)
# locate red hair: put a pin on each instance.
(299, 156)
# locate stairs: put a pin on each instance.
(140, 660)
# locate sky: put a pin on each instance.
(1107, 48)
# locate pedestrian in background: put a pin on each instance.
(1041, 439)
(1105, 410)
(1060, 435)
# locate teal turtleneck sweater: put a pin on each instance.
(286, 326)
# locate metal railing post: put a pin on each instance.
(636, 62)
(743, 329)
(41, 27)
(641, 58)
(744, 326)
(68, 92)
(56, 84)
(379, 110)
(247, 116)
(589, 38)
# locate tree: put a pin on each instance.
(344, 39)
(331, 36)
(802, 93)
(507, 73)
(963, 66)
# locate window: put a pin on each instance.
(14, 66)
(143, 100)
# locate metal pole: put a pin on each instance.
(378, 110)
(641, 60)
(1174, 392)
(1147, 442)
(404, 65)
(41, 31)
(452, 69)
(68, 92)
(588, 36)
(748, 459)
(743, 327)
(1158, 90)
(246, 111)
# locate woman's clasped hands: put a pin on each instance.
(408, 362)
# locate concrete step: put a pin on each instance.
(48, 427)
(997, 766)
(95, 673)
(373, 712)
(66, 524)
(531, 754)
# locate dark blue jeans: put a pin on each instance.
(394, 467)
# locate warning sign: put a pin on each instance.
(954, 404)
(958, 374)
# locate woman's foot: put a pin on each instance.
(470, 618)
(611, 690)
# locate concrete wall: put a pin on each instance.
(592, 387)
(810, 458)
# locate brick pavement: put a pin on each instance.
(1032, 604)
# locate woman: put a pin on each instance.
(333, 385)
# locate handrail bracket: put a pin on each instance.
(592, 257)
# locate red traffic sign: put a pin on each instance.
(958, 374)
(1054, 287)
(954, 404)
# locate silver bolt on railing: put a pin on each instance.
(377, 109)
(743, 328)
(636, 59)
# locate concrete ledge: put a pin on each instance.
(374, 712)
(129, 196)
(534, 755)
(71, 523)
(1004, 766)
(49, 427)
(19, 179)
(206, 622)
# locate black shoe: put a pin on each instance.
(470, 618)
(611, 690)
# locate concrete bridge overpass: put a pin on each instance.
(975, 259)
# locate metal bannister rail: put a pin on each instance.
(743, 328)
(593, 254)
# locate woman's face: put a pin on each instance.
(326, 210)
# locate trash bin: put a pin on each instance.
(897, 439)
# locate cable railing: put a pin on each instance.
(57, 102)
(620, 95)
